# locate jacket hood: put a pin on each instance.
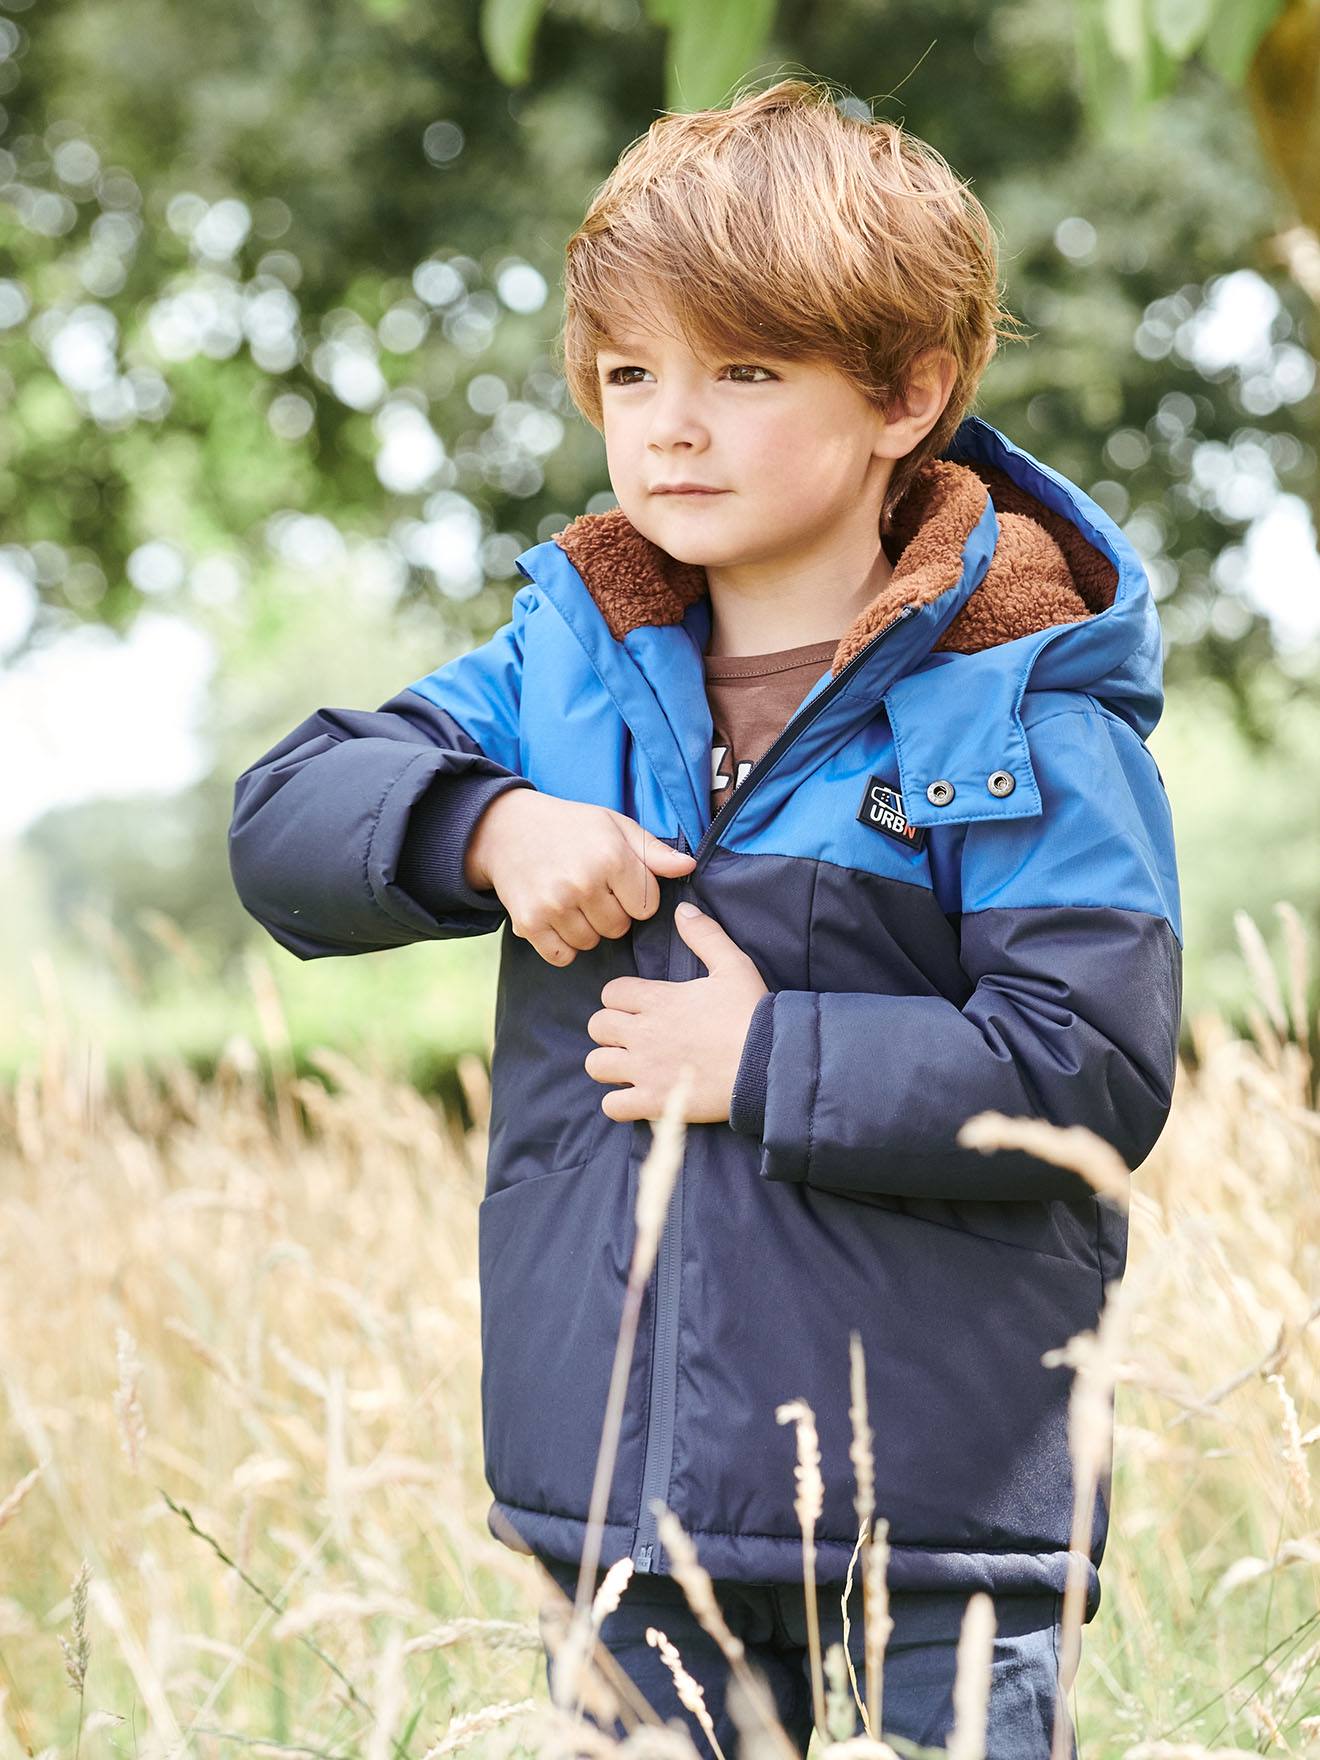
(1043, 571)
(1022, 579)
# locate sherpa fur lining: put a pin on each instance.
(1043, 571)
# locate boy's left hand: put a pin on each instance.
(650, 1027)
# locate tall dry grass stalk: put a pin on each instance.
(752, 1706)
(874, 1548)
(689, 1690)
(239, 1360)
(879, 1623)
(808, 1503)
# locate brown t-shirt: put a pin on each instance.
(752, 697)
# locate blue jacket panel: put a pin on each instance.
(954, 870)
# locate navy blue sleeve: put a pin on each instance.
(349, 835)
(747, 1102)
(1074, 1017)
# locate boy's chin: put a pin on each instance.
(703, 549)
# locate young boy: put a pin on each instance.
(868, 684)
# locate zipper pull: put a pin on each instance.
(682, 882)
(644, 1558)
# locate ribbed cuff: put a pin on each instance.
(747, 1102)
(440, 827)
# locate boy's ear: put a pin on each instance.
(920, 405)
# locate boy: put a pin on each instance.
(870, 686)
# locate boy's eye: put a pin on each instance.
(611, 377)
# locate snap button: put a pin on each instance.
(1001, 782)
(940, 793)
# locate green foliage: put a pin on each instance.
(1126, 49)
(508, 30)
(260, 322)
(709, 48)
(1132, 52)
(1232, 34)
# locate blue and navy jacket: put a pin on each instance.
(954, 870)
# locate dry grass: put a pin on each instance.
(241, 1497)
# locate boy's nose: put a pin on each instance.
(676, 418)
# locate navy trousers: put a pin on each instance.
(919, 1659)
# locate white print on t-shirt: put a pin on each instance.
(720, 779)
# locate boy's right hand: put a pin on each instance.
(567, 872)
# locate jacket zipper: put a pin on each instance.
(659, 1457)
(664, 1347)
(664, 1350)
(798, 725)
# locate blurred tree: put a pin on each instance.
(1127, 57)
(292, 277)
(1132, 56)
(211, 324)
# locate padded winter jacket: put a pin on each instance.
(954, 870)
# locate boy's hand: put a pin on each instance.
(649, 1028)
(567, 872)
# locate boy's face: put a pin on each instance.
(790, 448)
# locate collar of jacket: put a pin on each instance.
(1001, 558)
(1042, 571)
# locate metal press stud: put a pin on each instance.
(940, 793)
(1001, 782)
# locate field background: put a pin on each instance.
(278, 304)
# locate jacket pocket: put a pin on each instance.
(545, 1111)
(553, 1251)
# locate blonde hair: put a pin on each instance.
(784, 222)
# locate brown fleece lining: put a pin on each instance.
(1043, 570)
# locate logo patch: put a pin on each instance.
(882, 810)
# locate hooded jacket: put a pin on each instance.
(954, 870)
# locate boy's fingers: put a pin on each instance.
(631, 879)
(635, 884)
(552, 950)
(552, 943)
(607, 1063)
(607, 913)
(622, 1104)
(654, 851)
